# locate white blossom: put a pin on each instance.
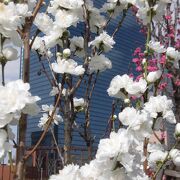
(154, 76)
(156, 157)
(177, 130)
(15, 96)
(66, 4)
(175, 155)
(160, 106)
(10, 53)
(157, 47)
(9, 19)
(22, 9)
(103, 42)
(70, 172)
(137, 88)
(109, 148)
(99, 63)
(43, 22)
(48, 110)
(96, 21)
(78, 102)
(139, 123)
(67, 66)
(65, 19)
(174, 56)
(54, 91)
(121, 86)
(117, 84)
(77, 45)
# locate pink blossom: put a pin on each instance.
(153, 61)
(131, 75)
(168, 17)
(177, 83)
(163, 59)
(139, 68)
(141, 55)
(168, 75)
(152, 68)
(136, 60)
(162, 86)
(171, 35)
(137, 51)
(139, 77)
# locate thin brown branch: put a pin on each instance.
(57, 147)
(50, 119)
(37, 8)
(34, 37)
(120, 22)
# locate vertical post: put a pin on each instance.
(20, 174)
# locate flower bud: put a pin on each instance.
(143, 61)
(177, 130)
(6, 2)
(58, 54)
(127, 101)
(114, 117)
(66, 53)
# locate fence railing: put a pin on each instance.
(46, 161)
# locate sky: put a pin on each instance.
(11, 71)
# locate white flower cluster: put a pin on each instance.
(172, 54)
(12, 17)
(16, 98)
(48, 110)
(103, 42)
(67, 66)
(121, 86)
(77, 45)
(114, 160)
(143, 9)
(160, 107)
(139, 123)
(158, 10)
(121, 155)
(99, 63)
(61, 15)
(175, 155)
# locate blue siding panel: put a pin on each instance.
(127, 39)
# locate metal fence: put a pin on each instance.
(46, 161)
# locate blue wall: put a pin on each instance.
(127, 39)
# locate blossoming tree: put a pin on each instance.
(127, 153)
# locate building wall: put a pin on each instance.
(127, 39)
